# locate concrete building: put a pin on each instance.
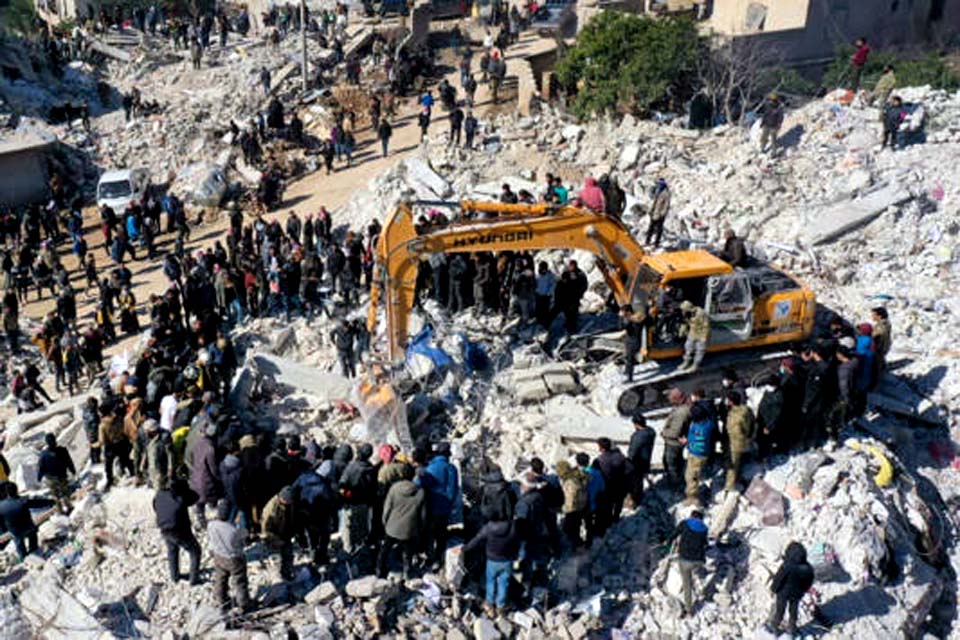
(55, 11)
(809, 31)
(23, 169)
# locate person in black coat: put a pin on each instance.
(770, 418)
(613, 465)
(498, 499)
(16, 520)
(538, 530)
(172, 505)
(640, 452)
(54, 467)
(792, 580)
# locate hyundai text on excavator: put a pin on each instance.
(750, 308)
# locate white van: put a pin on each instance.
(119, 188)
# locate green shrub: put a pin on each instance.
(624, 62)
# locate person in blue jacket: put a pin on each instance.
(441, 482)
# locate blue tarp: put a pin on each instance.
(421, 344)
(474, 355)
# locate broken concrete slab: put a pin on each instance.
(485, 629)
(57, 615)
(325, 385)
(427, 183)
(539, 383)
(366, 587)
(25, 421)
(321, 593)
(830, 222)
(573, 422)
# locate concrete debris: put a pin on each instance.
(58, 615)
(862, 226)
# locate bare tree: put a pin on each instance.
(731, 72)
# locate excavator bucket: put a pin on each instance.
(382, 409)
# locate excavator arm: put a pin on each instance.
(516, 228)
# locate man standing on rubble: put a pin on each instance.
(613, 465)
(342, 339)
(741, 429)
(569, 293)
(858, 61)
(818, 392)
(225, 542)
(15, 519)
(700, 438)
(674, 434)
(196, 52)
(639, 452)
(456, 123)
(55, 466)
(632, 323)
(881, 335)
(791, 582)
(658, 212)
(770, 122)
(691, 536)
(441, 482)
(279, 526)
(171, 504)
(470, 127)
(696, 327)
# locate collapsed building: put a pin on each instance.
(860, 226)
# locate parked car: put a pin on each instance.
(555, 16)
(120, 187)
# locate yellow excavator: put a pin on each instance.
(749, 307)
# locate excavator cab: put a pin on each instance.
(729, 304)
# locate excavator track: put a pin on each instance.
(652, 380)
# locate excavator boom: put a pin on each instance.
(517, 227)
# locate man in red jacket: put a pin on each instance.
(858, 61)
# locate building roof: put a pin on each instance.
(695, 263)
(20, 141)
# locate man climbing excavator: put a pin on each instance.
(748, 307)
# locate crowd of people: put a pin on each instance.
(168, 424)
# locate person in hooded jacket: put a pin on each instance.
(231, 477)
(573, 481)
(792, 580)
(404, 522)
(498, 499)
(205, 474)
(279, 525)
(441, 482)
(316, 502)
(358, 490)
(537, 527)
(614, 467)
(591, 196)
(172, 505)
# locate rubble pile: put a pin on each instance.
(862, 226)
